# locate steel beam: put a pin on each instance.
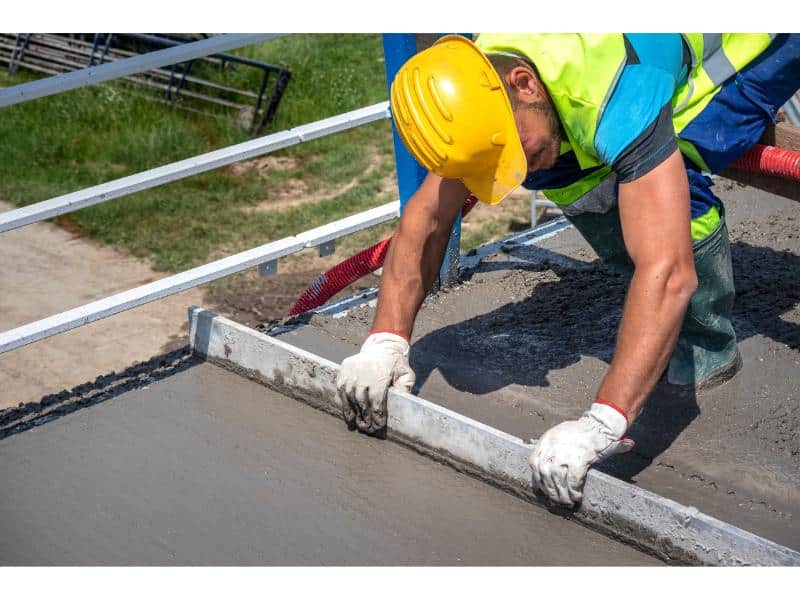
(128, 66)
(190, 166)
(100, 309)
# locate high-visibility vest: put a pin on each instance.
(580, 72)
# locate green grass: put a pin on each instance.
(66, 142)
(88, 136)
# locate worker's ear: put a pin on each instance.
(524, 83)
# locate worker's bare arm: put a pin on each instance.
(655, 217)
(416, 252)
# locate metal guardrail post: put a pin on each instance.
(397, 49)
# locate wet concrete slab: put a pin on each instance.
(525, 342)
(206, 467)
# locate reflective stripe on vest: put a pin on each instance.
(602, 197)
(704, 225)
(595, 193)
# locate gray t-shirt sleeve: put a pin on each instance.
(650, 148)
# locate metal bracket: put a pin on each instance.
(21, 42)
(268, 268)
(327, 248)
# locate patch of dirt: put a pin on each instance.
(46, 269)
(294, 192)
(94, 166)
(254, 300)
(262, 165)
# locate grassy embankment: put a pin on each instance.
(59, 144)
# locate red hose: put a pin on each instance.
(333, 281)
(770, 160)
(339, 277)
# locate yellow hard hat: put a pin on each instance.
(453, 114)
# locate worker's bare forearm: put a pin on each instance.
(651, 322)
(655, 217)
(416, 252)
(407, 276)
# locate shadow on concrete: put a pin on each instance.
(767, 286)
(576, 314)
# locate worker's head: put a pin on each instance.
(534, 115)
(466, 116)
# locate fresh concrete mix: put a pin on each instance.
(199, 466)
(525, 341)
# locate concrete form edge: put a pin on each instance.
(656, 524)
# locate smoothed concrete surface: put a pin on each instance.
(525, 343)
(206, 467)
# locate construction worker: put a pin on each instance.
(618, 130)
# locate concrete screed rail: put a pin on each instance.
(661, 526)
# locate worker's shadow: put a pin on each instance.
(572, 309)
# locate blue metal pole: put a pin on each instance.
(397, 49)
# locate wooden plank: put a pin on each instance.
(774, 185)
(783, 135)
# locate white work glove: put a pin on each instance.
(364, 379)
(563, 455)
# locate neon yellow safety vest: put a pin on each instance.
(580, 72)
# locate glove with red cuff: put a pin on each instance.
(562, 456)
(364, 379)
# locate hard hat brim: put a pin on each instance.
(495, 184)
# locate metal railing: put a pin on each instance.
(181, 169)
(202, 93)
(57, 84)
(264, 257)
